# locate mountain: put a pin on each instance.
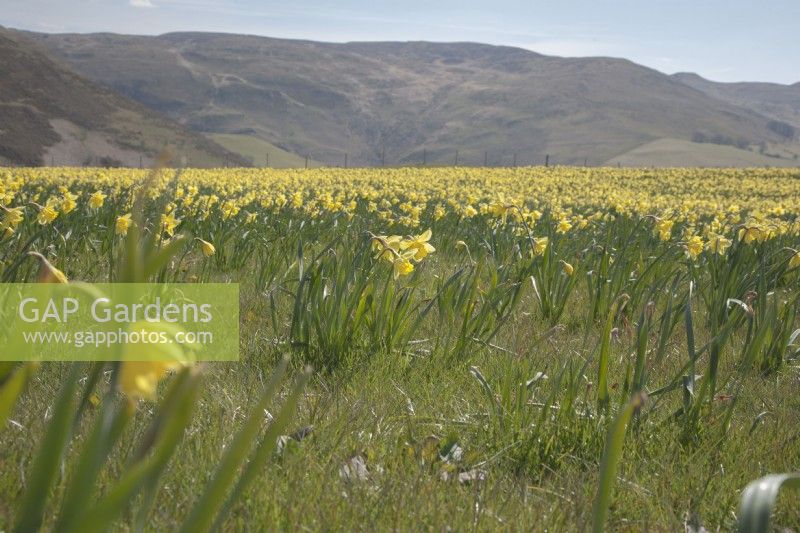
(776, 101)
(49, 114)
(403, 103)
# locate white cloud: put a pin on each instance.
(141, 3)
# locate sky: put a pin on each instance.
(723, 40)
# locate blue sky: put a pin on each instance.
(730, 40)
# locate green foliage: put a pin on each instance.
(758, 501)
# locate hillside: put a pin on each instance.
(260, 152)
(51, 115)
(678, 152)
(773, 100)
(405, 102)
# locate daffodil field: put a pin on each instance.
(421, 348)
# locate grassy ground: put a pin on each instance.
(682, 153)
(396, 413)
(258, 150)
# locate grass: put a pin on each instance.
(386, 409)
(677, 152)
(257, 150)
(366, 412)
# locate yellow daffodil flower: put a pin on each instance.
(419, 245)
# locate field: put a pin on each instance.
(556, 349)
(668, 152)
(257, 151)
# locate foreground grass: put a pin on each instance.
(388, 418)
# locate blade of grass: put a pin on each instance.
(612, 454)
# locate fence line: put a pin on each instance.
(336, 159)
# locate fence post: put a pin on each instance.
(267, 163)
(547, 160)
(456, 163)
(424, 157)
(383, 156)
(485, 159)
(585, 160)
(140, 160)
(306, 161)
(345, 160)
(515, 160)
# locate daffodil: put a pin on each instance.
(718, 244)
(694, 246)
(123, 223)
(12, 217)
(402, 265)
(207, 248)
(47, 214)
(297, 199)
(540, 245)
(168, 223)
(96, 200)
(568, 269)
(387, 248)
(500, 209)
(664, 228)
(229, 210)
(139, 379)
(794, 262)
(563, 226)
(68, 203)
(47, 272)
(419, 245)
(750, 234)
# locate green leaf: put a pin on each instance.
(605, 352)
(110, 506)
(12, 388)
(106, 432)
(49, 456)
(758, 500)
(159, 259)
(612, 453)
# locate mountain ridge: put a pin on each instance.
(776, 101)
(410, 102)
(52, 115)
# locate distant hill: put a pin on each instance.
(679, 152)
(405, 102)
(49, 114)
(773, 100)
(260, 152)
